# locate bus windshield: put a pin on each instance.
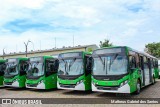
(71, 66)
(35, 69)
(110, 65)
(12, 68)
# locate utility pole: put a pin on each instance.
(40, 45)
(73, 40)
(55, 43)
(26, 46)
(3, 53)
(16, 48)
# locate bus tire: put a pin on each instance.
(153, 80)
(138, 87)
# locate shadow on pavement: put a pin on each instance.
(114, 95)
(3, 87)
(44, 90)
(78, 92)
(16, 89)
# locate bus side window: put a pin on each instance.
(140, 62)
(132, 62)
(2, 68)
(156, 65)
(26, 66)
(152, 63)
(51, 67)
(23, 67)
(88, 65)
(137, 60)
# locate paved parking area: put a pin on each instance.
(152, 91)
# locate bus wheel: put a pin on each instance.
(138, 87)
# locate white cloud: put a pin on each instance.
(32, 4)
(124, 22)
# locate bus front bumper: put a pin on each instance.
(79, 87)
(36, 86)
(124, 89)
(11, 84)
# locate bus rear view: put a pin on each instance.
(72, 73)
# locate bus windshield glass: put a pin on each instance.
(70, 64)
(36, 67)
(110, 63)
(70, 67)
(12, 67)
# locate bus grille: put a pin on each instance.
(107, 88)
(8, 83)
(32, 85)
(67, 86)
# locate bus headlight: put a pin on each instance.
(123, 83)
(94, 83)
(79, 82)
(40, 82)
(15, 80)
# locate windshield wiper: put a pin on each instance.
(111, 62)
(103, 62)
(72, 63)
(65, 64)
(66, 70)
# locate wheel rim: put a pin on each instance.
(153, 80)
(138, 87)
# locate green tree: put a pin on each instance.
(153, 49)
(90, 49)
(106, 43)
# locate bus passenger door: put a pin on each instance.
(132, 66)
(147, 71)
(142, 70)
(151, 69)
(51, 73)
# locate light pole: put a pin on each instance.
(3, 53)
(26, 46)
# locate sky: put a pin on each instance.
(132, 23)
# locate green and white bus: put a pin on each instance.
(2, 69)
(42, 72)
(72, 72)
(122, 70)
(15, 73)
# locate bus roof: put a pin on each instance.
(45, 56)
(143, 53)
(77, 52)
(21, 58)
